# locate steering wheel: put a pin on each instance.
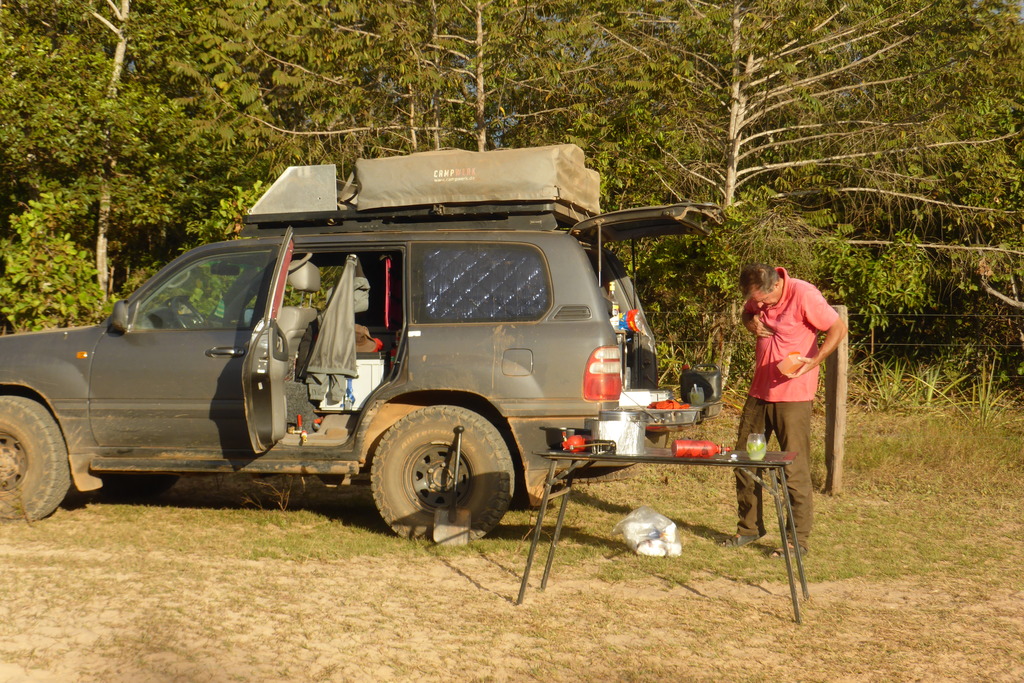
(185, 314)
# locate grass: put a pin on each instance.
(915, 573)
(903, 474)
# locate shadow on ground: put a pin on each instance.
(352, 504)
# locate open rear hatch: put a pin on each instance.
(638, 351)
(686, 218)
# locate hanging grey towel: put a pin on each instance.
(333, 358)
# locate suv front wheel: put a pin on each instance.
(408, 473)
(34, 474)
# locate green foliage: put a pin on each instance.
(882, 281)
(47, 281)
(227, 220)
(989, 401)
(852, 144)
(975, 394)
(74, 138)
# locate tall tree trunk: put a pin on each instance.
(481, 99)
(435, 101)
(109, 162)
(102, 230)
(413, 138)
(737, 111)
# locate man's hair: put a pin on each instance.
(757, 275)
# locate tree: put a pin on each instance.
(817, 124)
(109, 162)
(111, 128)
(336, 82)
(838, 137)
(47, 279)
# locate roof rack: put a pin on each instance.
(530, 216)
(540, 188)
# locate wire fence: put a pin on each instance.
(688, 338)
(858, 337)
(977, 383)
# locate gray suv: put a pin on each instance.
(346, 340)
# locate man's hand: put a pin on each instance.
(758, 328)
(805, 365)
(833, 336)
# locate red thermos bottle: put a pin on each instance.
(689, 448)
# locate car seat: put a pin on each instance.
(293, 320)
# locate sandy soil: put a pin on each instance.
(141, 613)
(159, 617)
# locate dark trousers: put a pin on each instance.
(791, 424)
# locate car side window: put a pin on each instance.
(479, 283)
(218, 292)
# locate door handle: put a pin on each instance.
(225, 352)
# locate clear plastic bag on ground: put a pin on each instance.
(649, 533)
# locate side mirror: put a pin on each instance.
(119, 318)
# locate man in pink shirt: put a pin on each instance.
(786, 316)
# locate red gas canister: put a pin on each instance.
(574, 444)
(690, 448)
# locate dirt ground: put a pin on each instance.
(281, 621)
(143, 615)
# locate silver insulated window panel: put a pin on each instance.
(480, 283)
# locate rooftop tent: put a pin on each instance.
(555, 173)
(552, 179)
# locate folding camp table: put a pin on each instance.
(770, 473)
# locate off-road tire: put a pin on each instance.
(408, 462)
(34, 473)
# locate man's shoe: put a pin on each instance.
(740, 540)
(779, 552)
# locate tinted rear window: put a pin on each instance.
(479, 283)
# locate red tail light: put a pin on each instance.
(603, 379)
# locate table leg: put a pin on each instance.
(536, 532)
(778, 491)
(792, 531)
(558, 532)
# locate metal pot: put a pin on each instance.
(626, 428)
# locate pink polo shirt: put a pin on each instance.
(796, 320)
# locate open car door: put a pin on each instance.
(266, 363)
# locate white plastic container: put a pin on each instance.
(371, 372)
(641, 398)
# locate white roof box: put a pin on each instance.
(301, 189)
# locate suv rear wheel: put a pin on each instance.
(34, 474)
(407, 476)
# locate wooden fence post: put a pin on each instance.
(836, 389)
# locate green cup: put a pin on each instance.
(756, 446)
